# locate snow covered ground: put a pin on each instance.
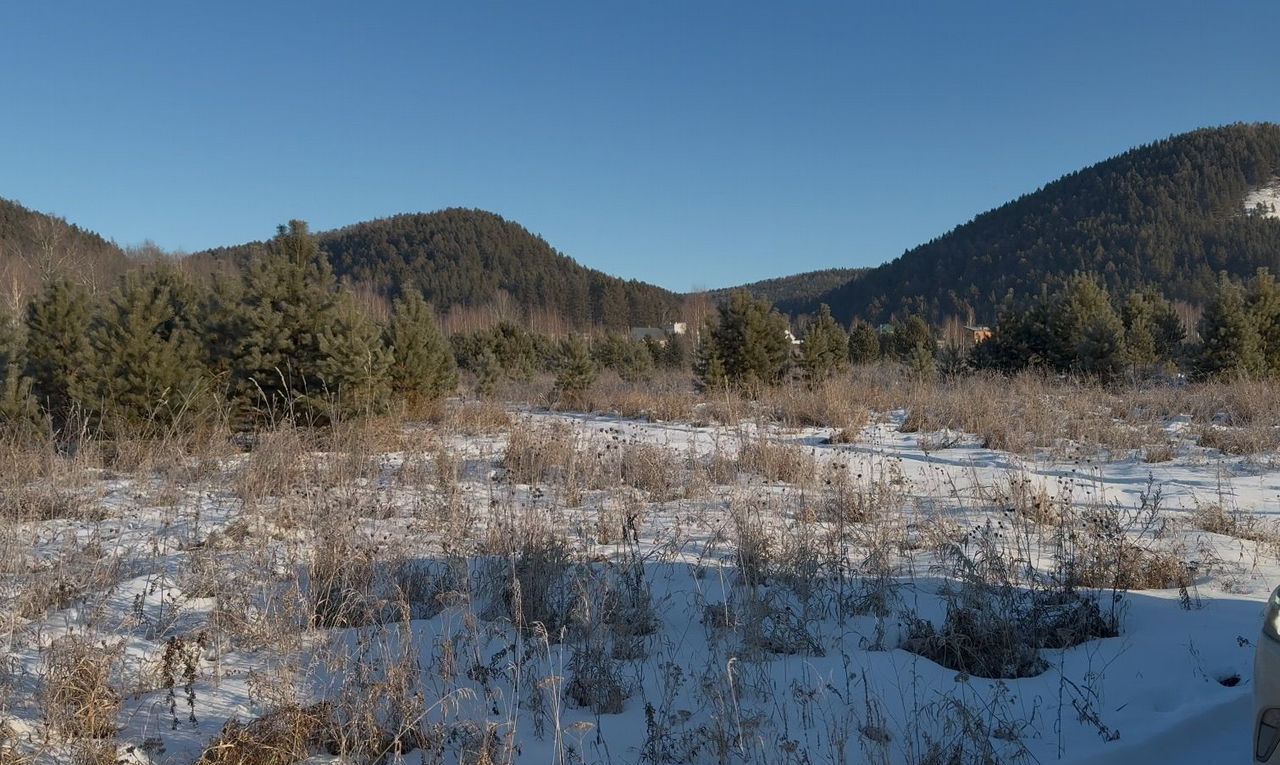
(1265, 199)
(667, 593)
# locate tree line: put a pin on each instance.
(281, 340)
(1082, 330)
(285, 341)
(1085, 330)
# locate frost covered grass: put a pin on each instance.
(721, 581)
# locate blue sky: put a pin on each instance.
(691, 144)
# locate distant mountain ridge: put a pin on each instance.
(1169, 214)
(464, 257)
(798, 288)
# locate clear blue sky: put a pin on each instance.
(684, 143)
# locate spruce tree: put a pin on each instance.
(1083, 306)
(633, 360)
(57, 326)
(921, 364)
(675, 354)
(1264, 311)
(146, 361)
(488, 372)
(708, 365)
(910, 335)
(825, 348)
(748, 342)
(289, 298)
(1137, 315)
(864, 343)
(19, 412)
(1167, 328)
(1229, 342)
(1101, 351)
(423, 368)
(576, 372)
(352, 370)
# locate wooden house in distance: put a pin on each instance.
(661, 334)
(978, 333)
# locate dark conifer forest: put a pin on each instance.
(468, 257)
(1169, 214)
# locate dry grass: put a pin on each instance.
(541, 454)
(1255, 438)
(39, 502)
(282, 736)
(1160, 451)
(829, 405)
(472, 418)
(1219, 518)
(79, 698)
(773, 461)
(9, 753)
(536, 545)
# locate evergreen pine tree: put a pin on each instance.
(633, 361)
(825, 348)
(1137, 315)
(516, 349)
(1264, 311)
(675, 354)
(353, 368)
(289, 298)
(1229, 340)
(423, 368)
(912, 334)
(921, 364)
(576, 372)
(1084, 307)
(748, 342)
(19, 411)
(12, 352)
(146, 361)
(708, 366)
(488, 372)
(864, 343)
(57, 325)
(1167, 328)
(219, 319)
(1010, 347)
(1101, 350)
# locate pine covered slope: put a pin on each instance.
(1169, 214)
(468, 257)
(797, 289)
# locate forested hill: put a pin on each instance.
(797, 289)
(470, 257)
(1169, 214)
(34, 245)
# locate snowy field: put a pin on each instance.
(574, 588)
